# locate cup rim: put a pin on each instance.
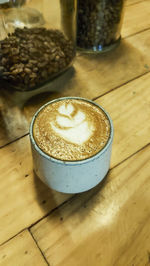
(78, 162)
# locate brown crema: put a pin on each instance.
(84, 117)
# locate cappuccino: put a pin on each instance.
(71, 129)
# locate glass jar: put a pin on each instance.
(99, 24)
(37, 41)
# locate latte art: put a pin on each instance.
(71, 129)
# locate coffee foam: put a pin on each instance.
(71, 129)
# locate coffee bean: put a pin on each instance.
(14, 51)
(61, 54)
(22, 45)
(30, 57)
(33, 75)
(35, 69)
(53, 50)
(34, 62)
(4, 61)
(27, 70)
(47, 44)
(20, 65)
(57, 58)
(33, 51)
(17, 71)
(42, 64)
(29, 65)
(98, 23)
(52, 44)
(12, 68)
(24, 59)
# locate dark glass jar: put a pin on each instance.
(35, 43)
(99, 24)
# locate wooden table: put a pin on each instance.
(110, 224)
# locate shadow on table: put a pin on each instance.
(13, 124)
(47, 198)
(125, 48)
(83, 203)
(75, 225)
(114, 67)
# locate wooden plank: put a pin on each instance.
(136, 18)
(21, 251)
(105, 226)
(28, 198)
(129, 107)
(92, 76)
(132, 2)
(97, 74)
(23, 198)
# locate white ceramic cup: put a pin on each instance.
(71, 176)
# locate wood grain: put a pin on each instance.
(105, 226)
(28, 200)
(135, 20)
(21, 251)
(129, 107)
(132, 2)
(24, 199)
